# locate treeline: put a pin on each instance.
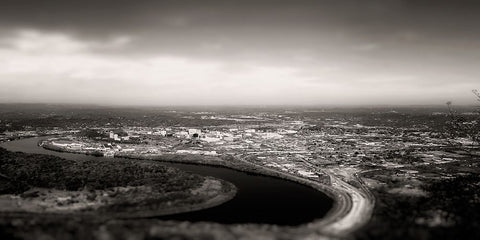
(20, 172)
(451, 210)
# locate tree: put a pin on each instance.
(460, 125)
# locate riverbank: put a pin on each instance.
(43, 185)
(350, 209)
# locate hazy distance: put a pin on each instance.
(239, 52)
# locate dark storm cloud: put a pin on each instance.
(232, 28)
(88, 12)
(356, 43)
(208, 19)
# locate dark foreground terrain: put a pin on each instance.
(50, 191)
(441, 202)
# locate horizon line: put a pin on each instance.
(237, 105)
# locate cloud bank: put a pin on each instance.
(239, 52)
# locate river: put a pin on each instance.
(260, 198)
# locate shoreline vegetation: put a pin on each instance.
(341, 210)
(38, 184)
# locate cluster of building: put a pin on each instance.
(304, 146)
(115, 137)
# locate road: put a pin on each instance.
(361, 206)
(354, 205)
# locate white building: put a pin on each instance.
(193, 131)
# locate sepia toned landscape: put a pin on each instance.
(239, 119)
(388, 172)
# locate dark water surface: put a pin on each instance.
(260, 199)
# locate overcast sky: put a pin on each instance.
(239, 52)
